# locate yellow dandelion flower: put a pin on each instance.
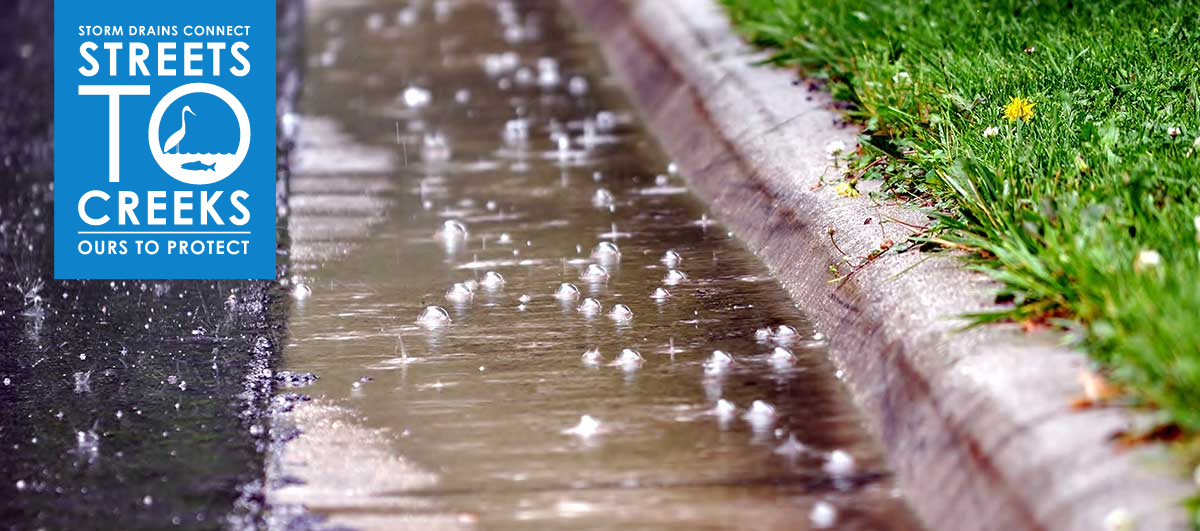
(1019, 108)
(847, 189)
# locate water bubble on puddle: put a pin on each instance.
(523, 76)
(547, 63)
(761, 415)
(434, 315)
(587, 427)
(621, 313)
(602, 198)
(672, 168)
(514, 34)
(590, 306)
(784, 333)
(589, 138)
(823, 515)
(782, 357)
(459, 293)
(566, 291)
(838, 464)
(791, 448)
(504, 239)
(452, 230)
(516, 131)
(495, 65)
(301, 291)
(725, 412)
(674, 277)
(416, 97)
(606, 120)
(607, 251)
(661, 180)
(724, 409)
(328, 56)
(762, 335)
(592, 355)
(435, 148)
(492, 280)
(594, 272)
(660, 294)
(548, 78)
(407, 16)
(524, 299)
(718, 362)
(462, 96)
(564, 147)
(21, 484)
(671, 258)
(148, 500)
(629, 359)
(375, 21)
(577, 86)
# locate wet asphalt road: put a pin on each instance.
(127, 404)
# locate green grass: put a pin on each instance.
(1057, 208)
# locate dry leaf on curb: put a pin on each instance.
(1096, 390)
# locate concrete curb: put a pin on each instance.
(977, 423)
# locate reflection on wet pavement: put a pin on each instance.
(513, 304)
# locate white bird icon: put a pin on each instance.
(173, 140)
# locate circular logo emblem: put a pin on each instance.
(197, 168)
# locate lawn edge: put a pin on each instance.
(977, 424)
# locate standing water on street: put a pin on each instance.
(510, 313)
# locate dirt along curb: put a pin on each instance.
(977, 423)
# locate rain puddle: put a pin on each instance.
(519, 317)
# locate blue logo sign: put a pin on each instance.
(164, 126)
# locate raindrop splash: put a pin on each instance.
(587, 427)
(592, 357)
